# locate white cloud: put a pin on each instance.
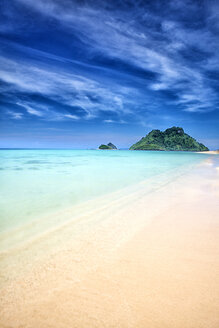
(15, 115)
(126, 40)
(108, 121)
(31, 110)
(114, 121)
(67, 88)
(74, 117)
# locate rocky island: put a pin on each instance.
(171, 139)
(108, 146)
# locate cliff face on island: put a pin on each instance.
(111, 145)
(171, 139)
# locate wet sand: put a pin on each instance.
(152, 260)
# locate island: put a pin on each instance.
(171, 139)
(110, 145)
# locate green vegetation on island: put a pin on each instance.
(171, 139)
(104, 147)
(108, 146)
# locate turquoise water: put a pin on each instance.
(35, 182)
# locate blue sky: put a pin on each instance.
(80, 73)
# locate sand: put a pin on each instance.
(152, 260)
(209, 152)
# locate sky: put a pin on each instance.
(75, 74)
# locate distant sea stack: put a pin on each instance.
(108, 146)
(171, 139)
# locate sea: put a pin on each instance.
(37, 182)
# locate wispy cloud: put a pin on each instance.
(31, 110)
(108, 121)
(115, 121)
(74, 117)
(65, 88)
(179, 52)
(15, 115)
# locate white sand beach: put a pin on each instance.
(152, 260)
(210, 152)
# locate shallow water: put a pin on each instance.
(37, 182)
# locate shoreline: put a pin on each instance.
(210, 152)
(152, 262)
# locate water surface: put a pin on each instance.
(36, 182)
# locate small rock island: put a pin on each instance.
(108, 146)
(171, 139)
